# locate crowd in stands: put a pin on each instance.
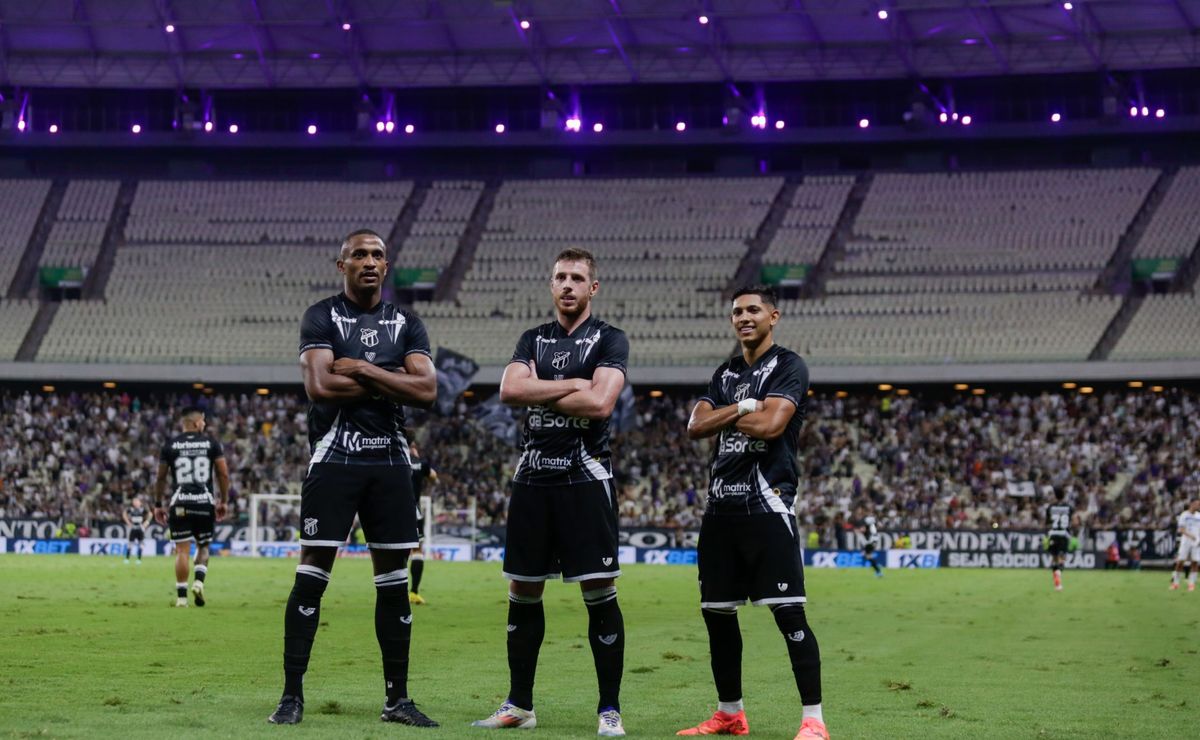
(1127, 458)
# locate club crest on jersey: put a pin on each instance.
(310, 527)
(742, 392)
(370, 356)
(369, 337)
(560, 360)
(781, 586)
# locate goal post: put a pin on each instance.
(286, 504)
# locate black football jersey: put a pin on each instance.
(558, 449)
(420, 473)
(757, 476)
(369, 432)
(137, 515)
(1058, 519)
(190, 457)
(870, 530)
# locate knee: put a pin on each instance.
(531, 590)
(600, 595)
(790, 618)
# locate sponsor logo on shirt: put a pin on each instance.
(541, 417)
(538, 461)
(720, 489)
(738, 444)
(356, 442)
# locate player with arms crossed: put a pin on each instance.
(562, 517)
(190, 459)
(1189, 545)
(137, 518)
(749, 544)
(361, 359)
(1059, 518)
(421, 472)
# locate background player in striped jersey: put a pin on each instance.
(190, 459)
(562, 515)
(749, 544)
(870, 532)
(137, 518)
(362, 359)
(1188, 532)
(1059, 520)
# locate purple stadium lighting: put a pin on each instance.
(409, 128)
(779, 125)
(1160, 113)
(966, 121)
(954, 116)
(390, 126)
(380, 126)
(54, 128)
(882, 14)
(208, 127)
(1133, 111)
(864, 123)
(312, 129)
(346, 26)
(943, 117)
(21, 125)
(573, 124)
(500, 128)
(524, 24)
(233, 128)
(1055, 117)
(598, 127)
(136, 128)
(1145, 111)
(1068, 6)
(702, 20)
(170, 28)
(681, 127)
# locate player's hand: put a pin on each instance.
(222, 511)
(348, 367)
(160, 515)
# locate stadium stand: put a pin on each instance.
(925, 460)
(440, 223)
(15, 318)
(220, 272)
(666, 249)
(1175, 228)
(1165, 326)
(79, 227)
(811, 217)
(21, 202)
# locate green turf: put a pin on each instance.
(90, 647)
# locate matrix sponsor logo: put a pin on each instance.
(536, 460)
(720, 489)
(356, 442)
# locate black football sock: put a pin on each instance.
(181, 590)
(803, 651)
(874, 564)
(417, 567)
(393, 629)
(526, 628)
(725, 648)
(201, 572)
(606, 633)
(300, 622)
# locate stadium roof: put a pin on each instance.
(405, 43)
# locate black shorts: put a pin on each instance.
(1059, 544)
(868, 549)
(568, 530)
(136, 534)
(191, 521)
(755, 558)
(381, 496)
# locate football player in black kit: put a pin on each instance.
(562, 513)
(362, 359)
(136, 518)
(191, 459)
(749, 548)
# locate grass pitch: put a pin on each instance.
(89, 647)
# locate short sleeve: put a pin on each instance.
(524, 353)
(614, 350)
(416, 338)
(164, 455)
(316, 329)
(216, 450)
(791, 381)
(715, 396)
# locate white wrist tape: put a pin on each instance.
(747, 406)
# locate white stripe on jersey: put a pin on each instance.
(592, 464)
(319, 452)
(769, 495)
